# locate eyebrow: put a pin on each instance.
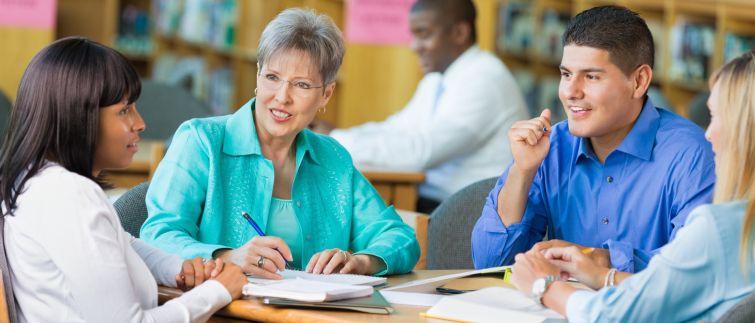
(295, 78)
(586, 70)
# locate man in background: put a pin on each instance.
(454, 127)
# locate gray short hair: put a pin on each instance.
(305, 30)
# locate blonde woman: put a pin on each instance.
(707, 269)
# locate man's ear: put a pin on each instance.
(641, 78)
(461, 33)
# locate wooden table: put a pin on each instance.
(398, 188)
(253, 309)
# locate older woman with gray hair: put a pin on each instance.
(258, 189)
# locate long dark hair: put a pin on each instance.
(56, 114)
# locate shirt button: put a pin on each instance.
(609, 179)
(309, 237)
(298, 203)
(605, 220)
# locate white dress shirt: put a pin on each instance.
(454, 128)
(71, 261)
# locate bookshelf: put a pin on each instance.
(207, 46)
(377, 80)
(227, 53)
(693, 38)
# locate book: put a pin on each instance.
(332, 278)
(492, 304)
(307, 290)
(375, 304)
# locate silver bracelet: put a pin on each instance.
(610, 279)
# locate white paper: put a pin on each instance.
(492, 304)
(307, 290)
(422, 292)
(429, 284)
(332, 278)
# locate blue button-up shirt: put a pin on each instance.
(632, 204)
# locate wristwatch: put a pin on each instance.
(540, 285)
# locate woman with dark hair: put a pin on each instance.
(69, 257)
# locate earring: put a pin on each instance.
(322, 109)
(255, 91)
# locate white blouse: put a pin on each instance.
(71, 261)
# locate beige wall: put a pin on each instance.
(19, 46)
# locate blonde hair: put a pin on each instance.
(735, 169)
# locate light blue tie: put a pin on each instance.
(438, 93)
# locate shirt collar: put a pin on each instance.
(241, 136)
(639, 142)
(458, 64)
(641, 139)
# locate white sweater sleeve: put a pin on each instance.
(196, 305)
(162, 265)
(465, 118)
(86, 242)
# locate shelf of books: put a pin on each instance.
(692, 37)
(209, 46)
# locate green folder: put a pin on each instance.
(374, 304)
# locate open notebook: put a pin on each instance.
(332, 278)
(492, 304)
(307, 290)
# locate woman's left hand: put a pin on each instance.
(529, 267)
(196, 271)
(343, 262)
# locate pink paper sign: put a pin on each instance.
(28, 13)
(382, 22)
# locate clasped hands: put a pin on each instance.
(563, 259)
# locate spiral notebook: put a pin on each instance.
(332, 278)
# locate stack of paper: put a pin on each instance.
(332, 278)
(493, 304)
(307, 290)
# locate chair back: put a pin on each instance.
(449, 233)
(742, 312)
(132, 208)
(164, 107)
(698, 110)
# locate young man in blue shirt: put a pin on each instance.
(619, 175)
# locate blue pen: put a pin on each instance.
(261, 234)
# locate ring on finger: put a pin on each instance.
(261, 261)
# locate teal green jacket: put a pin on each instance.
(214, 170)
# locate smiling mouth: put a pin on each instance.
(279, 115)
(578, 109)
